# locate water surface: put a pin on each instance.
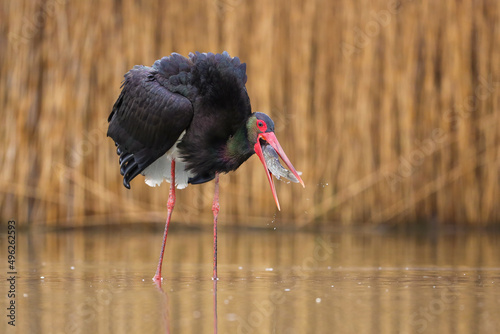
(99, 281)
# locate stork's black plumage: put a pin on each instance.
(191, 117)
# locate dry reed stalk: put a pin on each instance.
(347, 117)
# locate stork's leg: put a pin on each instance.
(170, 208)
(215, 210)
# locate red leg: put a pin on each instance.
(215, 210)
(170, 208)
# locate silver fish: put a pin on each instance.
(273, 164)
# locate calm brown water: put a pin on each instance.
(270, 282)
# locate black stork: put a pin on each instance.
(187, 120)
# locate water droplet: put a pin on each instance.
(318, 300)
(269, 269)
(25, 295)
(287, 289)
(240, 268)
(72, 268)
(42, 277)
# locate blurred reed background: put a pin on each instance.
(390, 109)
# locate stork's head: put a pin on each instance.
(261, 133)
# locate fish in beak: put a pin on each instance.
(268, 156)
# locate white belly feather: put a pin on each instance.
(160, 169)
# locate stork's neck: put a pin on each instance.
(239, 148)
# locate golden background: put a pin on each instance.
(390, 109)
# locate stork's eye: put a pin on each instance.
(261, 125)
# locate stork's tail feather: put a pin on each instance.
(128, 166)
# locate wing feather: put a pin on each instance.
(146, 120)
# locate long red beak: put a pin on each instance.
(271, 139)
